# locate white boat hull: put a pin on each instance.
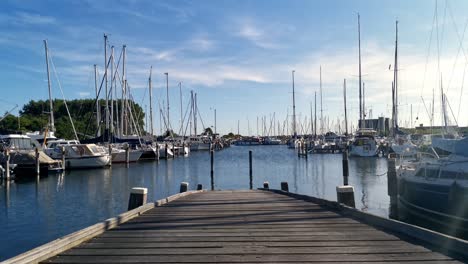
(121, 157)
(87, 162)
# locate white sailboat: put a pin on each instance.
(364, 144)
(401, 143)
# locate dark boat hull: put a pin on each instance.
(436, 206)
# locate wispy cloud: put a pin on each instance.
(24, 18)
(249, 30)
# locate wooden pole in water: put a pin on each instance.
(63, 157)
(250, 170)
(212, 171)
(157, 151)
(345, 167)
(38, 167)
(127, 154)
(7, 154)
(110, 154)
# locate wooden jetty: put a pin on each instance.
(251, 226)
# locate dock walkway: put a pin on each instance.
(245, 227)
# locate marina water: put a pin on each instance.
(37, 211)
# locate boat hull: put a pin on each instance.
(87, 162)
(121, 157)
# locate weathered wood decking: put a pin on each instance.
(245, 227)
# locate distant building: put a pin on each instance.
(381, 125)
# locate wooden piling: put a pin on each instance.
(110, 154)
(345, 195)
(284, 186)
(345, 168)
(7, 154)
(38, 164)
(199, 187)
(250, 170)
(157, 151)
(212, 169)
(138, 196)
(62, 149)
(167, 152)
(127, 154)
(392, 180)
(184, 186)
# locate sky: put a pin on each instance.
(238, 56)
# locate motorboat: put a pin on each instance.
(364, 144)
(436, 190)
(22, 153)
(119, 154)
(78, 156)
(199, 143)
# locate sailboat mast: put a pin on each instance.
(112, 87)
(124, 91)
(167, 97)
(311, 120)
(98, 111)
(364, 104)
(106, 81)
(345, 110)
(294, 108)
(51, 106)
(181, 114)
(150, 84)
(321, 109)
(360, 81)
(395, 75)
(315, 118)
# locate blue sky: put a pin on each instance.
(238, 55)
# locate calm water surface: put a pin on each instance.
(38, 211)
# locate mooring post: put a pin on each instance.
(199, 187)
(7, 154)
(157, 151)
(110, 154)
(284, 186)
(266, 185)
(184, 187)
(392, 180)
(299, 150)
(305, 150)
(38, 164)
(127, 154)
(250, 170)
(166, 152)
(137, 198)
(345, 167)
(212, 169)
(345, 195)
(62, 149)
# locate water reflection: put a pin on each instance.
(40, 211)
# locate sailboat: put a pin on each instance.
(364, 144)
(76, 155)
(401, 143)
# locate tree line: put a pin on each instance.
(34, 116)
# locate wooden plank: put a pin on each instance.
(243, 250)
(265, 258)
(245, 227)
(94, 243)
